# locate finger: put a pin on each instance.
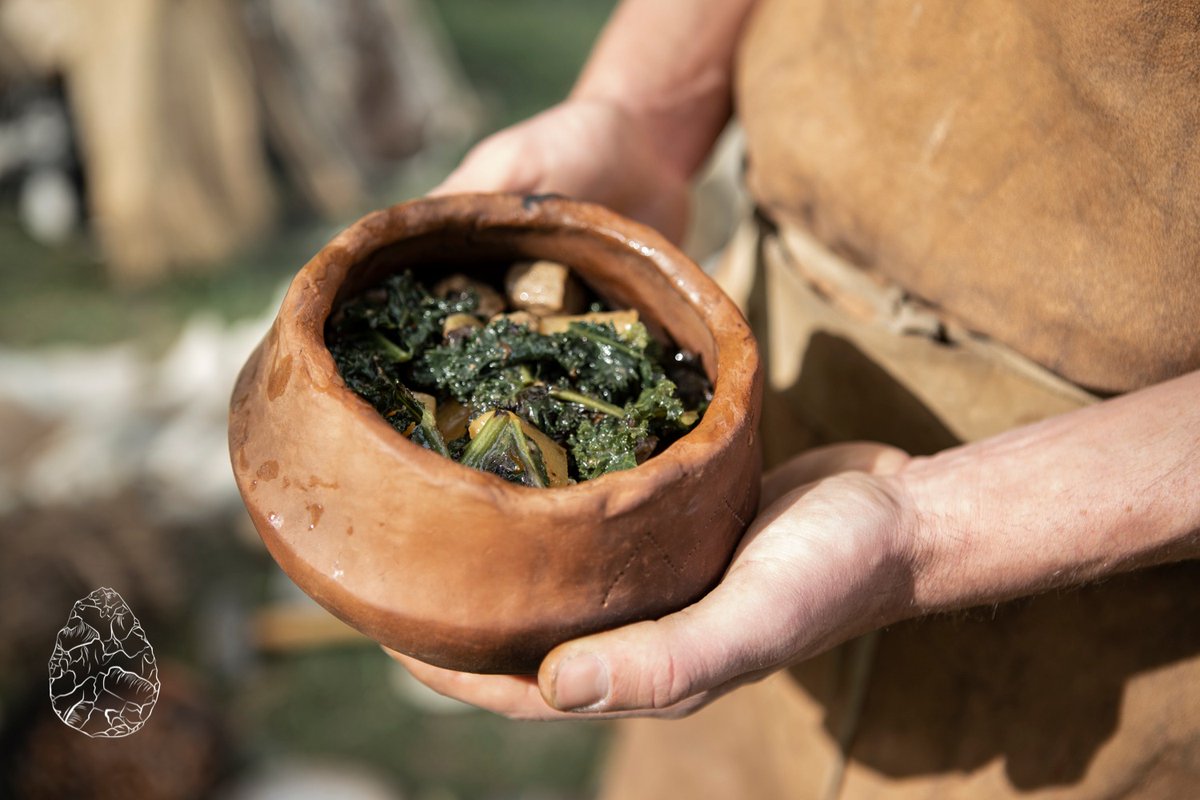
(822, 462)
(515, 696)
(797, 586)
(669, 664)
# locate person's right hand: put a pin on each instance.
(832, 554)
(587, 150)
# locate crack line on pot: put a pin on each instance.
(620, 574)
(733, 511)
(662, 551)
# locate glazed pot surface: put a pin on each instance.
(457, 567)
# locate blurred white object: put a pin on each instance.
(305, 780)
(49, 206)
(35, 147)
(117, 419)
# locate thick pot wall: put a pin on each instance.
(458, 567)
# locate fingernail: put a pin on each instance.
(580, 681)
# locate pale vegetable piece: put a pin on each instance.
(622, 321)
(490, 301)
(518, 318)
(457, 321)
(543, 287)
(452, 419)
(554, 457)
(427, 400)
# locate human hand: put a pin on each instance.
(585, 149)
(826, 559)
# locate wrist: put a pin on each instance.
(680, 126)
(926, 541)
(962, 538)
(669, 66)
(1087, 494)
(880, 544)
(909, 554)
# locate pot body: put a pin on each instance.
(457, 567)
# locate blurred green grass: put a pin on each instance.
(522, 56)
(63, 295)
(351, 713)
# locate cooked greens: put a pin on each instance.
(550, 400)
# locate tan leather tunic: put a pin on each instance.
(1028, 169)
(1031, 167)
(1080, 694)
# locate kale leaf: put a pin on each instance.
(654, 419)
(400, 312)
(606, 445)
(480, 364)
(371, 374)
(607, 395)
(501, 447)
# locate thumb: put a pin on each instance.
(661, 663)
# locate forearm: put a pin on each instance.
(1098, 491)
(669, 63)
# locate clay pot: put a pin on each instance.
(458, 567)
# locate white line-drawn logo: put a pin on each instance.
(103, 678)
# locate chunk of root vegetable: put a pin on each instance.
(490, 301)
(518, 318)
(622, 321)
(456, 322)
(452, 419)
(543, 287)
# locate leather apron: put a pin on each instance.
(1092, 692)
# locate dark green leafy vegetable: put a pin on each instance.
(400, 315)
(606, 445)
(609, 396)
(367, 368)
(625, 440)
(426, 432)
(479, 364)
(603, 364)
(501, 447)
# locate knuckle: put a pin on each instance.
(672, 681)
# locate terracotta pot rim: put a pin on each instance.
(310, 297)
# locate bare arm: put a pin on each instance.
(643, 116)
(670, 64)
(1102, 490)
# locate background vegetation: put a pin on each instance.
(335, 703)
(520, 56)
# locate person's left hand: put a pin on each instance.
(828, 558)
(592, 150)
